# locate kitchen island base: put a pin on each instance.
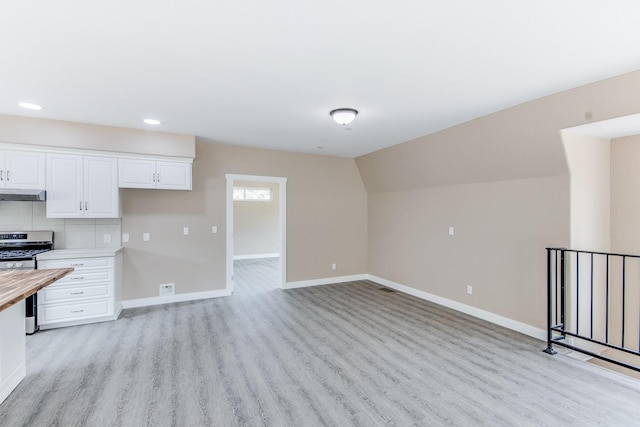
(13, 366)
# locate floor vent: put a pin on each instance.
(387, 290)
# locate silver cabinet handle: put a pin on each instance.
(77, 311)
(8, 175)
(78, 264)
(85, 205)
(1, 172)
(76, 293)
(158, 177)
(154, 177)
(77, 278)
(80, 204)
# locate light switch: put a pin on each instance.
(214, 229)
(451, 232)
(185, 231)
(146, 237)
(125, 237)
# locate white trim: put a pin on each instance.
(464, 308)
(145, 302)
(77, 322)
(96, 153)
(282, 213)
(255, 256)
(325, 281)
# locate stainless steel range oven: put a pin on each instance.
(18, 250)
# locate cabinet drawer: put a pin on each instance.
(62, 312)
(52, 295)
(81, 277)
(78, 264)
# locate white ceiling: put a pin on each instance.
(267, 73)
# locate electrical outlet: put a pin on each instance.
(107, 238)
(185, 231)
(451, 231)
(214, 229)
(146, 237)
(125, 237)
(333, 266)
(167, 289)
(470, 289)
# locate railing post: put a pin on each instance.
(563, 289)
(550, 281)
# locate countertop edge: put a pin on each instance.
(78, 253)
(52, 276)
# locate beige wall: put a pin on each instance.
(500, 232)
(503, 182)
(326, 220)
(625, 195)
(256, 223)
(56, 133)
(589, 161)
(625, 234)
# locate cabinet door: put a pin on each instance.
(64, 186)
(24, 170)
(101, 195)
(173, 175)
(133, 173)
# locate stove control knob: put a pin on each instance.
(9, 265)
(18, 264)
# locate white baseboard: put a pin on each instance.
(12, 380)
(325, 281)
(145, 302)
(464, 308)
(255, 256)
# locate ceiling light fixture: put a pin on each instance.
(29, 106)
(344, 116)
(152, 121)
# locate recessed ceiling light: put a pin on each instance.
(29, 106)
(152, 121)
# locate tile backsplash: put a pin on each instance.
(68, 233)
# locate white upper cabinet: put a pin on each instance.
(82, 186)
(134, 173)
(101, 193)
(64, 186)
(22, 169)
(173, 175)
(140, 173)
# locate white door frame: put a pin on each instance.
(282, 194)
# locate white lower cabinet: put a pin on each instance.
(92, 293)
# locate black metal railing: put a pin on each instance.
(594, 304)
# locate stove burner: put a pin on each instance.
(20, 254)
(23, 246)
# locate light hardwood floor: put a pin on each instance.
(335, 355)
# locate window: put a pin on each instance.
(253, 194)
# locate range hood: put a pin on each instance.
(22, 195)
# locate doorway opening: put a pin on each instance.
(252, 257)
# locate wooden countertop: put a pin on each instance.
(17, 285)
